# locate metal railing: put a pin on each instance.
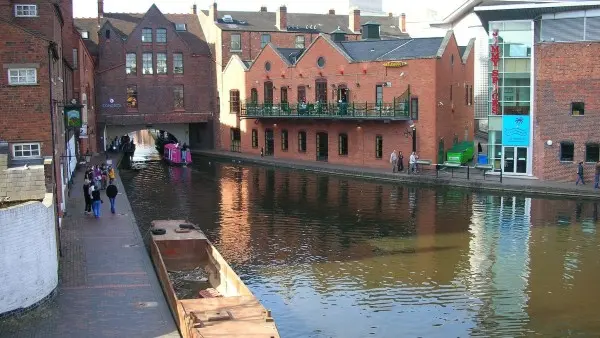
(352, 110)
(455, 170)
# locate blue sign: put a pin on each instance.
(515, 130)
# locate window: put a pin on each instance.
(177, 63)
(379, 95)
(254, 138)
(147, 63)
(234, 101)
(467, 95)
(343, 144)
(470, 95)
(147, 35)
(284, 140)
(85, 35)
(236, 140)
(577, 108)
(161, 63)
(321, 62)
(264, 40)
(414, 108)
(283, 97)
(254, 95)
(300, 41)
(161, 35)
(301, 94)
(268, 66)
(25, 10)
(180, 27)
(592, 152)
(130, 63)
(567, 151)
(302, 142)
(107, 34)
(450, 92)
(178, 102)
(236, 42)
(22, 76)
(23, 150)
(132, 97)
(321, 91)
(378, 146)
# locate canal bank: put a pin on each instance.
(107, 283)
(475, 181)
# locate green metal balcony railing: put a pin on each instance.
(353, 110)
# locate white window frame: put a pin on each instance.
(161, 65)
(18, 76)
(37, 144)
(158, 33)
(26, 8)
(180, 27)
(85, 35)
(145, 59)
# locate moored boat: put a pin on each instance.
(173, 154)
(207, 298)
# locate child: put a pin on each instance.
(111, 175)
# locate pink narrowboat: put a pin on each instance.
(172, 154)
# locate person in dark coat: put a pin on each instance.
(580, 174)
(400, 162)
(111, 193)
(96, 201)
(86, 195)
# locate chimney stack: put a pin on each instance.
(403, 23)
(332, 11)
(281, 23)
(194, 9)
(390, 15)
(213, 13)
(263, 9)
(354, 20)
(100, 10)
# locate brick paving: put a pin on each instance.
(107, 284)
(476, 181)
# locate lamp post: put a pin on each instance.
(411, 132)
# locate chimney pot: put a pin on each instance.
(390, 14)
(281, 17)
(332, 11)
(403, 23)
(263, 8)
(213, 12)
(194, 9)
(354, 20)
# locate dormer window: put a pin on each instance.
(85, 35)
(25, 10)
(180, 27)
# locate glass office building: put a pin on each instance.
(511, 91)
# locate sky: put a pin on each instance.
(414, 9)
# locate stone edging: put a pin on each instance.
(24, 310)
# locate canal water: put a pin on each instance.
(341, 257)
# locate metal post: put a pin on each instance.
(468, 171)
(414, 140)
(501, 174)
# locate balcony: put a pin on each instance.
(399, 111)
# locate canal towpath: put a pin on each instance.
(107, 283)
(476, 180)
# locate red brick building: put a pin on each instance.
(354, 102)
(151, 68)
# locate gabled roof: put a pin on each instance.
(125, 23)
(303, 22)
(276, 51)
(392, 50)
(465, 51)
(235, 59)
(290, 54)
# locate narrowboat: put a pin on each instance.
(207, 298)
(172, 154)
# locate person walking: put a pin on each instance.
(597, 175)
(394, 161)
(580, 174)
(96, 201)
(87, 196)
(184, 150)
(400, 162)
(111, 193)
(412, 162)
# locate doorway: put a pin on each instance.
(342, 94)
(269, 142)
(515, 160)
(268, 93)
(322, 146)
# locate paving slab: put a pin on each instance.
(107, 284)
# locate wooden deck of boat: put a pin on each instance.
(171, 235)
(248, 317)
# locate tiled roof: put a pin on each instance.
(291, 54)
(125, 23)
(461, 50)
(303, 22)
(390, 50)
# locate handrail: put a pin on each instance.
(340, 110)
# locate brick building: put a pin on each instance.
(352, 102)
(244, 34)
(151, 68)
(543, 114)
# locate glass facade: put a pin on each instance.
(509, 144)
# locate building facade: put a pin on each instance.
(151, 69)
(352, 102)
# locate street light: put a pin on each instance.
(411, 131)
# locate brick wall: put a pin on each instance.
(29, 254)
(565, 73)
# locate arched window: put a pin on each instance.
(253, 95)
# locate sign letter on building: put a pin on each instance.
(495, 58)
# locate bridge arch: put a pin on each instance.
(181, 131)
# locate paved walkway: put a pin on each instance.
(476, 181)
(107, 287)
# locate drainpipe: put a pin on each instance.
(53, 132)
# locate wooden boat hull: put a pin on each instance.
(236, 313)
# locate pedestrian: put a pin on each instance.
(111, 175)
(580, 174)
(184, 150)
(597, 175)
(87, 196)
(400, 162)
(412, 162)
(111, 193)
(394, 161)
(96, 201)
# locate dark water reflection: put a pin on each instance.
(337, 257)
